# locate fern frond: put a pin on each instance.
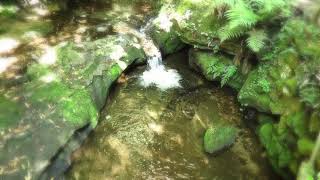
(227, 32)
(269, 8)
(256, 40)
(229, 72)
(241, 15)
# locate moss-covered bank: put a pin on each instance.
(58, 99)
(273, 63)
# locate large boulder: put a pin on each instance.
(216, 67)
(60, 97)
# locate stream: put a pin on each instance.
(147, 133)
(153, 124)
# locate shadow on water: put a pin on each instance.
(146, 133)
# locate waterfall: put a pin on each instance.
(156, 74)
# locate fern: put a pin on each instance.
(240, 18)
(226, 33)
(229, 72)
(256, 40)
(241, 15)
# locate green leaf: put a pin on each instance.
(241, 15)
(256, 40)
(229, 72)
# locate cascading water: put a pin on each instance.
(157, 74)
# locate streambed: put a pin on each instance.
(146, 133)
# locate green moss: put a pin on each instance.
(296, 120)
(35, 71)
(79, 109)
(252, 92)
(305, 146)
(68, 55)
(10, 112)
(218, 138)
(101, 84)
(201, 27)
(278, 153)
(41, 92)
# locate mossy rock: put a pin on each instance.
(216, 67)
(219, 137)
(11, 112)
(59, 99)
(168, 41)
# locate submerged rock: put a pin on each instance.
(219, 137)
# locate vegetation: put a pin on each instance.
(249, 19)
(267, 50)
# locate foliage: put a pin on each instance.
(8, 10)
(256, 40)
(265, 85)
(309, 83)
(217, 69)
(306, 171)
(277, 150)
(229, 72)
(244, 18)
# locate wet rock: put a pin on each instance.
(219, 137)
(167, 39)
(59, 98)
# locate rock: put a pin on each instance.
(216, 67)
(272, 86)
(59, 99)
(219, 137)
(194, 23)
(276, 86)
(166, 39)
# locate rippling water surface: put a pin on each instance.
(147, 133)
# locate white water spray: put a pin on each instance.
(157, 74)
